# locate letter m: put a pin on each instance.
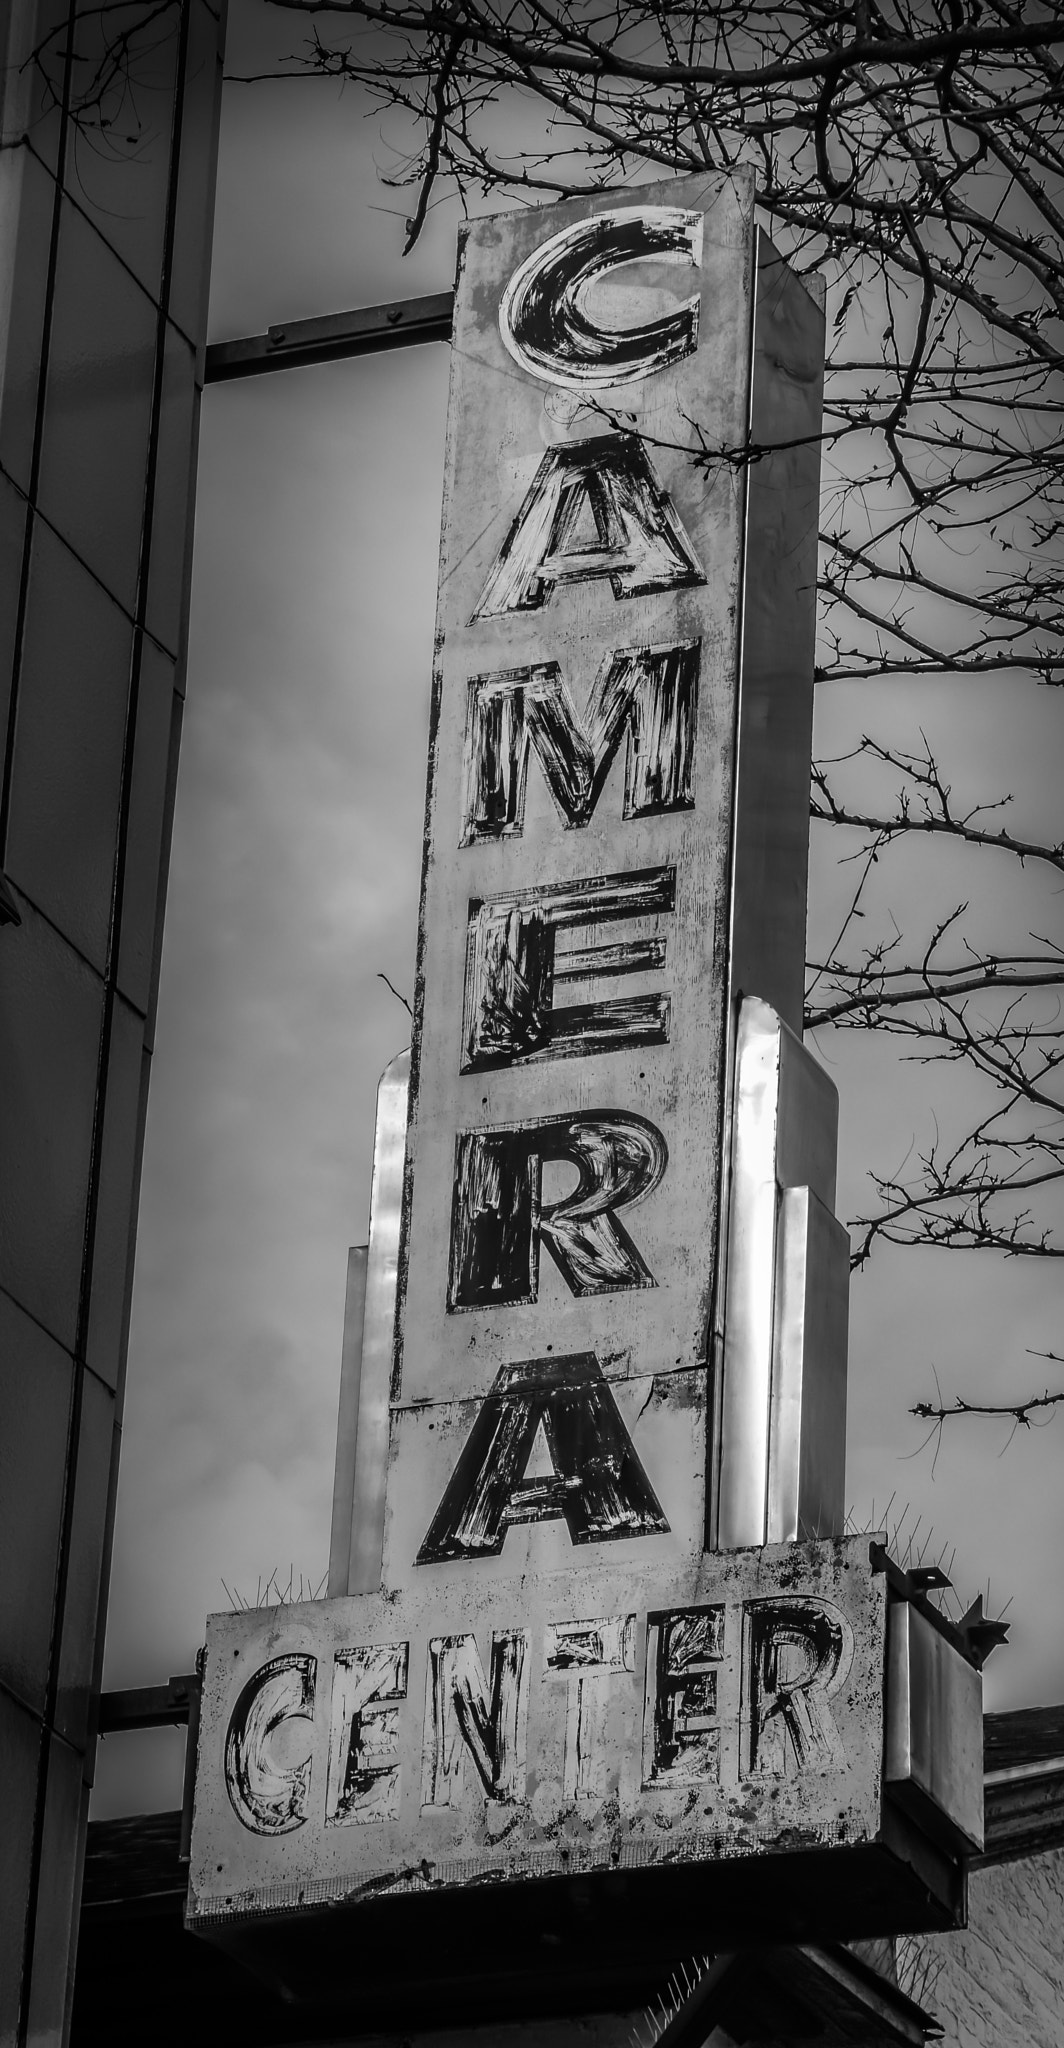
(650, 693)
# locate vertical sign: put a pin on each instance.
(557, 1268)
(554, 1675)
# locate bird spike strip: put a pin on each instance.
(653, 2026)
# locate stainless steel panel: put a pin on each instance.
(784, 1347)
(155, 749)
(70, 733)
(36, 1379)
(94, 1479)
(807, 1131)
(934, 1728)
(771, 824)
(378, 1329)
(788, 1361)
(14, 518)
(120, 1141)
(125, 191)
(779, 631)
(29, 199)
(347, 1423)
(97, 407)
(50, 1017)
(807, 1429)
(190, 263)
(170, 568)
(747, 1370)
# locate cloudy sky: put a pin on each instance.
(294, 886)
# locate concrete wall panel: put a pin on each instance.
(36, 1383)
(97, 408)
(51, 1012)
(67, 774)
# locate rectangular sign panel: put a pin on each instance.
(560, 1224)
(608, 1720)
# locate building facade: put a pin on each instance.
(106, 200)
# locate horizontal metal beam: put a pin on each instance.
(149, 1706)
(365, 331)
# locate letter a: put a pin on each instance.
(606, 483)
(598, 1484)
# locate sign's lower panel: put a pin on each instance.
(524, 1792)
(475, 1729)
(602, 1942)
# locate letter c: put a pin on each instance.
(268, 1793)
(542, 317)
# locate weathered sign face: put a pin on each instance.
(554, 1675)
(611, 1719)
(563, 1169)
(545, 1671)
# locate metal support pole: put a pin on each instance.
(365, 331)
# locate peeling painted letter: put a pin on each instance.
(598, 1483)
(363, 1780)
(797, 1652)
(499, 1219)
(513, 964)
(681, 1729)
(268, 1788)
(649, 692)
(465, 1717)
(588, 1654)
(544, 321)
(595, 508)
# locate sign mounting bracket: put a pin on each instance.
(364, 331)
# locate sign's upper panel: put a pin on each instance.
(560, 1224)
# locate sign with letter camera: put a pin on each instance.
(550, 1668)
